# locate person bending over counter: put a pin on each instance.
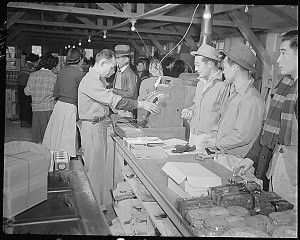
(94, 101)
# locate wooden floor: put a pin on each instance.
(13, 132)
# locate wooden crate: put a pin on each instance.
(170, 108)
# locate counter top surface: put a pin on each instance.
(150, 172)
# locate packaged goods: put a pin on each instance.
(238, 211)
(283, 218)
(285, 232)
(236, 222)
(245, 232)
(26, 167)
(214, 226)
(218, 211)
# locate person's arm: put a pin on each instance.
(55, 90)
(28, 88)
(248, 120)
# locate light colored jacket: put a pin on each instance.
(207, 106)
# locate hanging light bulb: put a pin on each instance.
(133, 21)
(69, 46)
(206, 14)
(79, 42)
(246, 8)
(66, 47)
(89, 40)
(73, 46)
(104, 33)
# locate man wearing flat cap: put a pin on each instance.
(125, 80)
(242, 113)
(209, 96)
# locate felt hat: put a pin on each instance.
(242, 55)
(122, 50)
(207, 51)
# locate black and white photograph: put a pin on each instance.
(145, 120)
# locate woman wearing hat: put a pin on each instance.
(61, 130)
(40, 86)
(147, 86)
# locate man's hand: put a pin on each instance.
(245, 164)
(210, 143)
(187, 113)
(149, 106)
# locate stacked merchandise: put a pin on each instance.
(238, 210)
(25, 176)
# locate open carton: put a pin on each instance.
(192, 178)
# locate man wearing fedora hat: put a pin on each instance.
(242, 113)
(125, 80)
(209, 96)
(94, 101)
(274, 153)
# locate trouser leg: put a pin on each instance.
(263, 166)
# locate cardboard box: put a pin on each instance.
(20, 167)
(18, 200)
(193, 178)
(26, 167)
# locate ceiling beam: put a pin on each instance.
(10, 37)
(140, 8)
(88, 22)
(95, 27)
(221, 8)
(281, 14)
(13, 19)
(108, 7)
(251, 38)
(135, 45)
(156, 43)
(151, 15)
(190, 41)
(62, 17)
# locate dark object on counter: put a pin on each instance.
(209, 152)
(184, 148)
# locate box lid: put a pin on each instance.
(196, 175)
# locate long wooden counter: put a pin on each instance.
(155, 180)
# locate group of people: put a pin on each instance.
(228, 116)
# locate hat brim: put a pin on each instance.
(196, 53)
(240, 62)
(123, 55)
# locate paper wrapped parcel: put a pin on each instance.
(26, 167)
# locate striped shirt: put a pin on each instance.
(25, 71)
(40, 86)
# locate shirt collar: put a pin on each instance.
(241, 87)
(94, 72)
(122, 69)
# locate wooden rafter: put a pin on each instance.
(135, 45)
(251, 38)
(156, 43)
(13, 19)
(281, 14)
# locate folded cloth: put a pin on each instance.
(231, 162)
(144, 152)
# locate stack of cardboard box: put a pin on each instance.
(26, 167)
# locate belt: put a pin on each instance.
(94, 120)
